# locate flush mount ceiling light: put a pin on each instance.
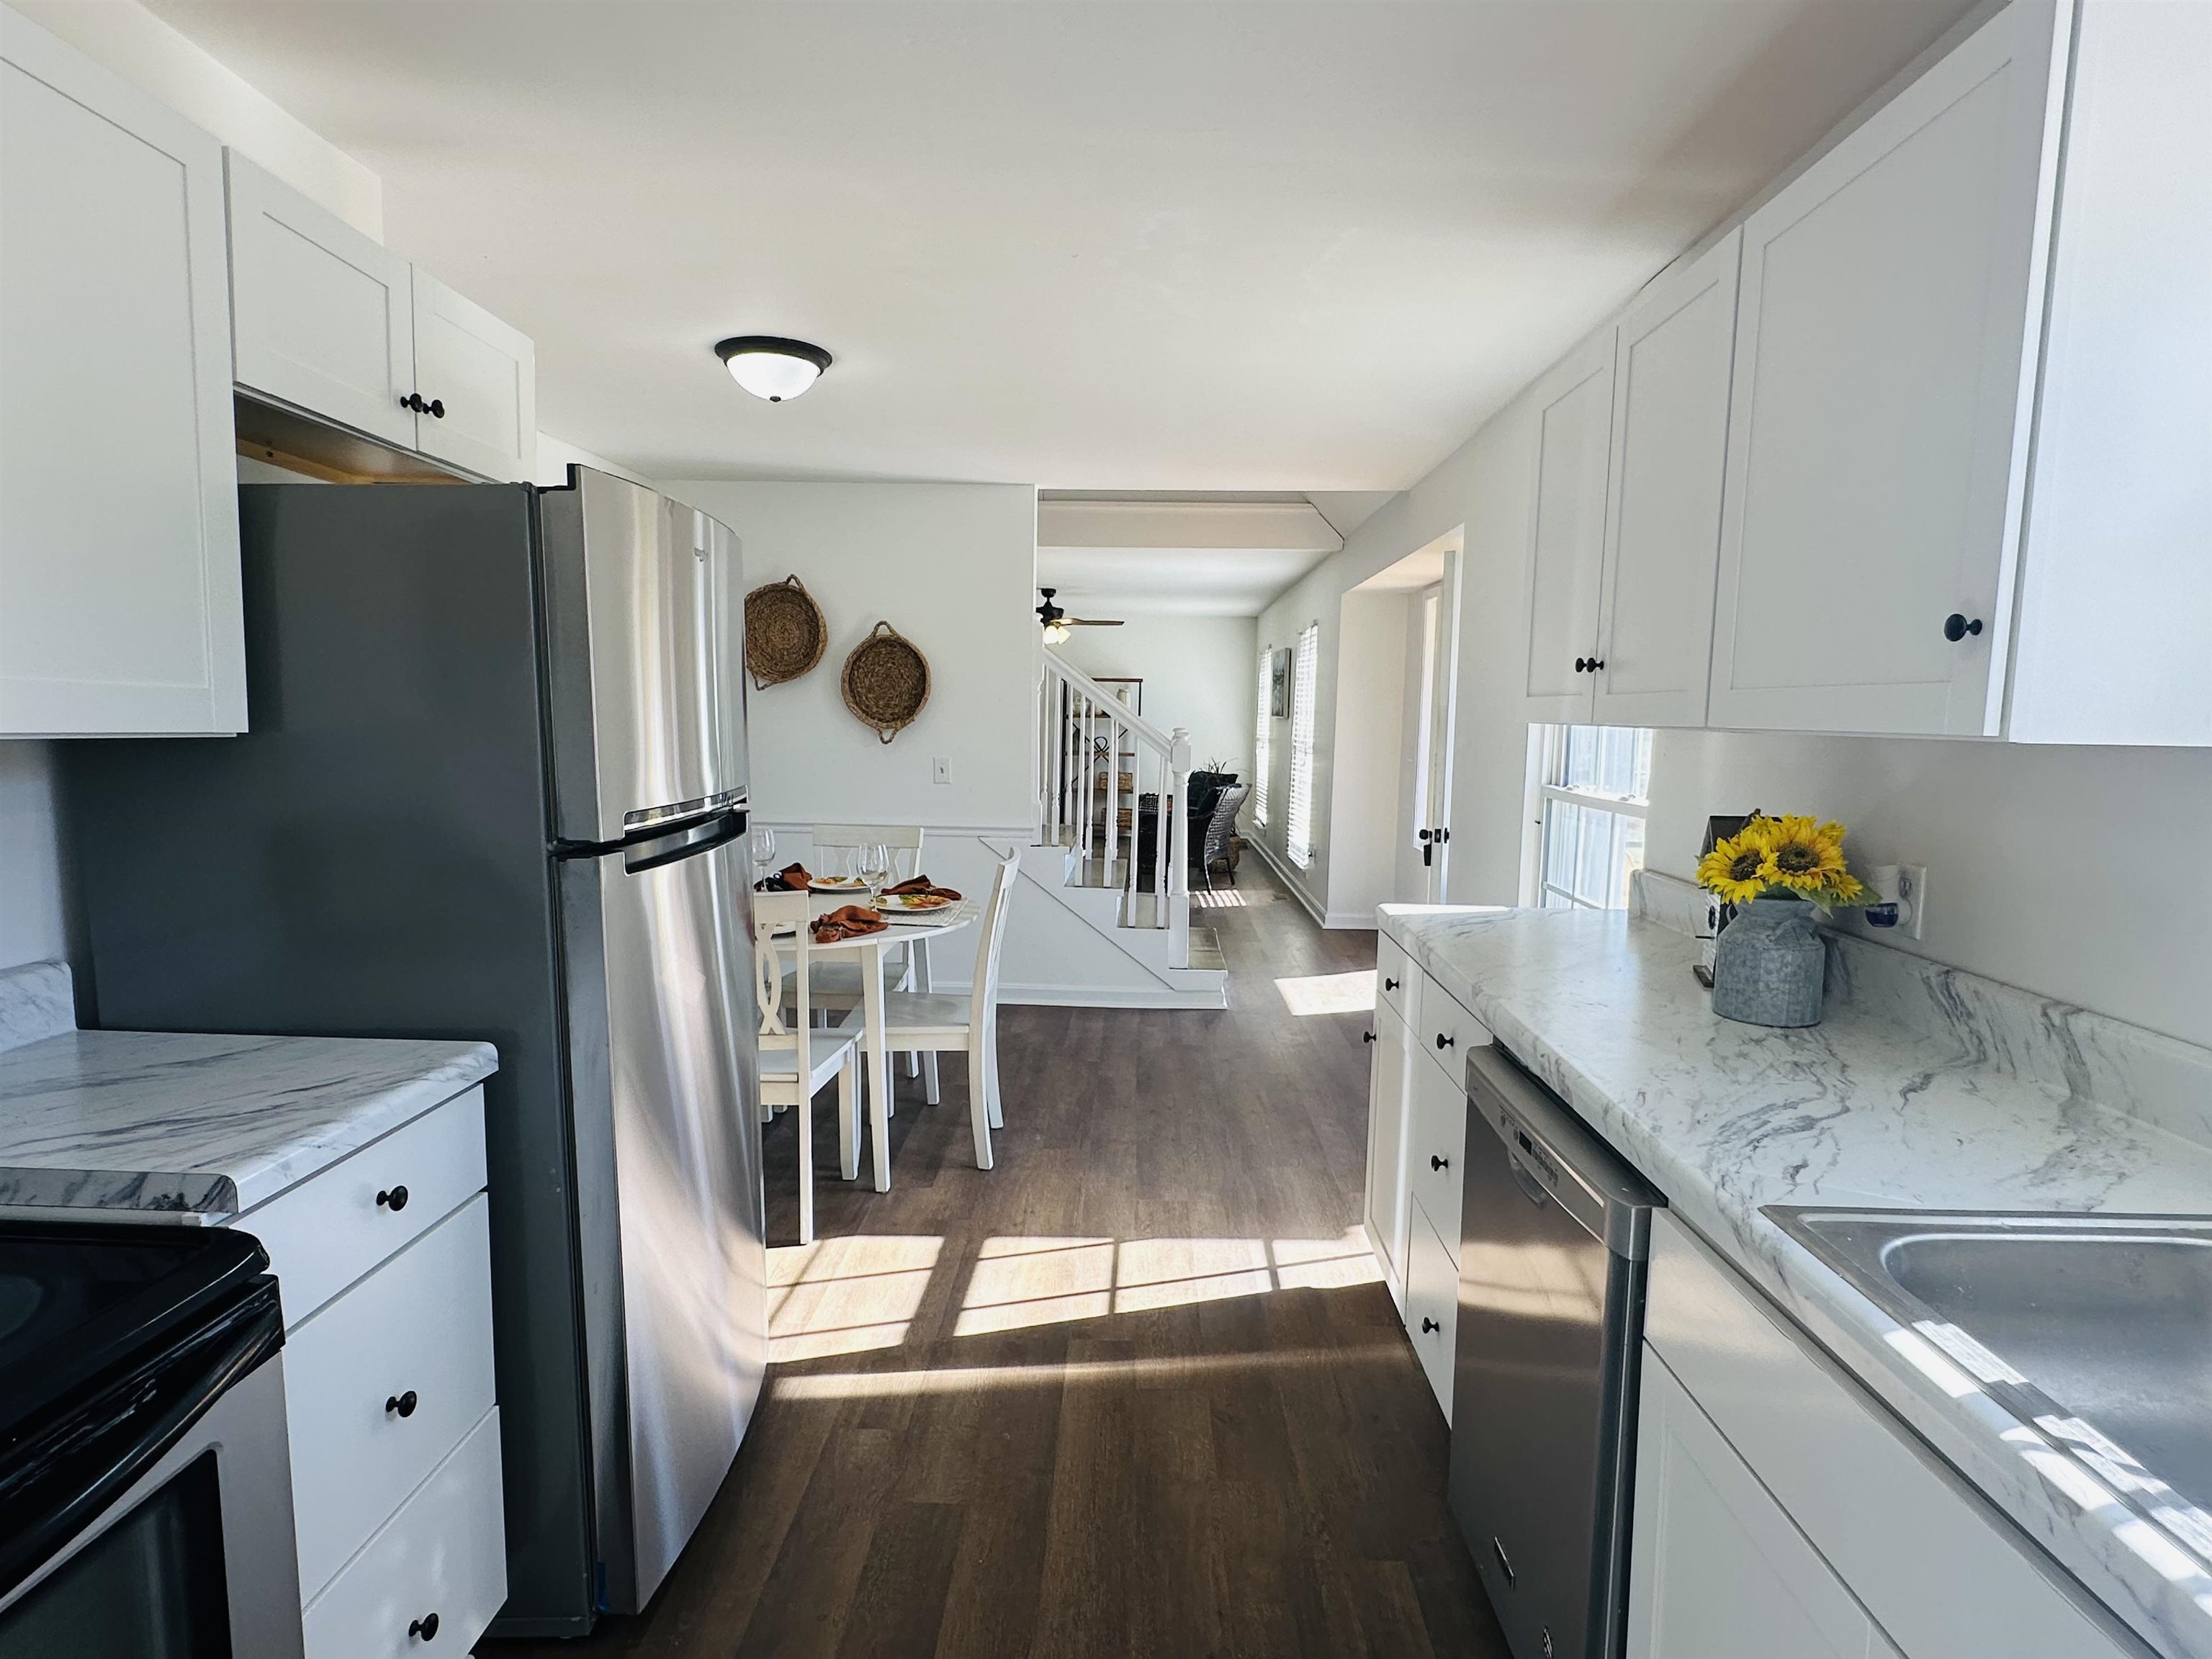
(770, 366)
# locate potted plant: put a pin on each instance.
(1770, 966)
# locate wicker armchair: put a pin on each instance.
(1220, 829)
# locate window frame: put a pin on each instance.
(1298, 841)
(1548, 790)
(1263, 745)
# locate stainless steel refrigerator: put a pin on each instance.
(494, 786)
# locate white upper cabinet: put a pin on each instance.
(1670, 415)
(1891, 296)
(1573, 414)
(333, 324)
(2116, 584)
(322, 317)
(478, 379)
(120, 608)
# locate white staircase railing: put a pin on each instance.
(1096, 758)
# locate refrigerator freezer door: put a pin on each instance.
(679, 1088)
(631, 618)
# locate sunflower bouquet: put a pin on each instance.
(1784, 858)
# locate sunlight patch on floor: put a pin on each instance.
(846, 1295)
(1020, 1282)
(976, 1379)
(1203, 899)
(1329, 993)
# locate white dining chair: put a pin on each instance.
(932, 1024)
(779, 930)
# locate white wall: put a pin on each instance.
(2074, 872)
(1197, 672)
(950, 567)
(129, 41)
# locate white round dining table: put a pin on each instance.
(869, 948)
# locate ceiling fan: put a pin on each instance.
(1057, 622)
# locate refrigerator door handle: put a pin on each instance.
(655, 834)
(673, 847)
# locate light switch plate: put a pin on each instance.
(940, 769)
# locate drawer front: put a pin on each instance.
(1445, 1031)
(1431, 1305)
(330, 1229)
(1436, 1145)
(1395, 976)
(420, 1324)
(1901, 1531)
(444, 1555)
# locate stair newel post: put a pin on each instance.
(1179, 892)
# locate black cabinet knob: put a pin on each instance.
(1367, 1037)
(393, 1198)
(1429, 1324)
(1436, 1163)
(1956, 627)
(412, 403)
(437, 413)
(1596, 664)
(1582, 665)
(1389, 984)
(1444, 1042)
(426, 1627)
(402, 1405)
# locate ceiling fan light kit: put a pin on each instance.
(771, 367)
(1058, 624)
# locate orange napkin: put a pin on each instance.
(847, 921)
(792, 878)
(913, 885)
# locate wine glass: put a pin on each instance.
(875, 868)
(761, 842)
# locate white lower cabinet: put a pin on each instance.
(1387, 1104)
(1780, 1510)
(1718, 1570)
(435, 1573)
(1432, 1304)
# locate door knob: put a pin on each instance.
(1956, 627)
(426, 1627)
(402, 1405)
(393, 1199)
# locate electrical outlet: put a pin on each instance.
(940, 769)
(1904, 890)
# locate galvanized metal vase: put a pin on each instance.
(1770, 966)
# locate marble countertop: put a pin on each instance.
(205, 1125)
(1922, 1087)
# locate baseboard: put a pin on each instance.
(1291, 882)
(1351, 919)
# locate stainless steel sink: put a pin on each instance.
(2095, 1330)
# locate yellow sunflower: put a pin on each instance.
(1804, 855)
(1734, 867)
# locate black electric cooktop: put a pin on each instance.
(78, 1301)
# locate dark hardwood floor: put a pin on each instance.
(1136, 1391)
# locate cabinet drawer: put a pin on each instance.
(1395, 976)
(1431, 1305)
(443, 1555)
(1444, 1031)
(330, 1229)
(1436, 1145)
(421, 1324)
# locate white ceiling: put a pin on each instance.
(1172, 246)
(1111, 557)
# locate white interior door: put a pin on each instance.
(1670, 405)
(1439, 656)
(1566, 530)
(1877, 429)
(322, 317)
(480, 378)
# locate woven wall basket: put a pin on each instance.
(785, 634)
(886, 681)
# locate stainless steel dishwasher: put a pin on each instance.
(1555, 1232)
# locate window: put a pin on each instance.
(1596, 780)
(1303, 688)
(1263, 747)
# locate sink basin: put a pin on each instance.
(2096, 1330)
